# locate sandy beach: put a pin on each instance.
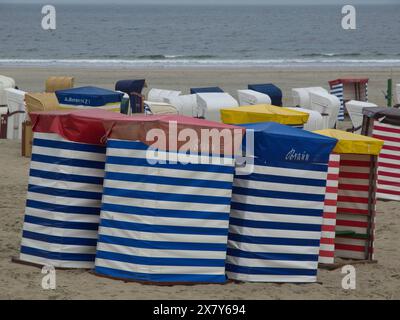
(374, 281)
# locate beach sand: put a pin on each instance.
(374, 281)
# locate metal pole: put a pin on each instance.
(389, 92)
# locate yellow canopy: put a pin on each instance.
(353, 143)
(263, 113)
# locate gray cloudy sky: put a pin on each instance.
(244, 2)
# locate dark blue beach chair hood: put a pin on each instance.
(271, 90)
(205, 90)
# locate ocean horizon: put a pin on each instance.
(135, 36)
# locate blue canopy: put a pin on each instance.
(205, 90)
(88, 96)
(271, 90)
(276, 142)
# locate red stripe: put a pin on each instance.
(327, 241)
(386, 147)
(352, 211)
(384, 138)
(388, 174)
(354, 163)
(395, 193)
(353, 187)
(349, 223)
(348, 247)
(354, 175)
(386, 129)
(326, 228)
(330, 202)
(332, 177)
(389, 183)
(389, 165)
(389, 156)
(352, 199)
(334, 164)
(329, 215)
(328, 254)
(333, 190)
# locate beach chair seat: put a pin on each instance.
(209, 104)
(16, 113)
(133, 88)
(159, 108)
(59, 83)
(315, 121)
(159, 95)
(186, 104)
(269, 89)
(355, 111)
(251, 97)
(5, 83)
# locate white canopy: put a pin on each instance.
(315, 121)
(159, 95)
(398, 93)
(159, 108)
(5, 83)
(328, 104)
(186, 104)
(301, 96)
(209, 104)
(17, 115)
(251, 97)
(355, 110)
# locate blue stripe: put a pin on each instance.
(283, 180)
(153, 228)
(143, 162)
(68, 161)
(274, 240)
(274, 225)
(168, 180)
(155, 212)
(162, 245)
(59, 240)
(292, 165)
(61, 224)
(65, 177)
(67, 193)
(198, 278)
(160, 261)
(57, 255)
(54, 207)
(159, 196)
(69, 146)
(271, 271)
(276, 210)
(272, 256)
(278, 194)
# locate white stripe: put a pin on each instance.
(55, 247)
(166, 188)
(139, 268)
(278, 233)
(59, 168)
(270, 278)
(57, 263)
(246, 215)
(65, 185)
(69, 154)
(249, 247)
(161, 253)
(172, 205)
(162, 172)
(164, 221)
(60, 216)
(59, 200)
(263, 263)
(293, 173)
(60, 232)
(168, 237)
(278, 202)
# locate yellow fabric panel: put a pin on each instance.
(353, 143)
(263, 113)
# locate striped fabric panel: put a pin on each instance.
(352, 211)
(327, 248)
(275, 224)
(337, 90)
(63, 202)
(163, 222)
(388, 161)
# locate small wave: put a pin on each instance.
(333, 55)
(175, 57)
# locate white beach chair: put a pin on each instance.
(209, 104)
(17, 113)
(301, 96)
(355, 111)
(5, 83)
(158, 95)
(251, 97)
(186, 104)
(325, 103)
(316, 121)
(398, 93)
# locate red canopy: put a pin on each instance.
(95, 126)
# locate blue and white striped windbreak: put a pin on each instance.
(63, 202)
(337, 90)
(163, 222)
(276, 212)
